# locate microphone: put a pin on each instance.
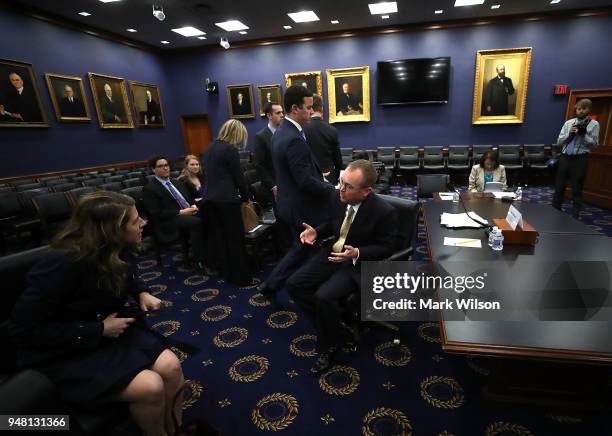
(452, 187)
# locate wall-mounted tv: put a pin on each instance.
(411, 81)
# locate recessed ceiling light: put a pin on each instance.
(384, 17)
(495, 6)
(201, 37)
(85, 14)
(232, 25)
(287, 27)
(243, 32)
(335, 22)
(303, 16)
(383, 8)
(554, 2)
(165, 42)
(189, 31)
(439, 11)
(109, 1)
(468, 2)
(131, 30)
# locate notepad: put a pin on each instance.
(462, 242)
(452, 220)
(445, 196)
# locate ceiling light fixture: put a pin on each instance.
(287, 27)
(158, 12)
(85, 14)
(384, 17)
(201, 37)
(459, 3)
(439, 11)
(383, 8)
(243, 32)
(303, 16)
(334, 21)
(165, 42)
(188, 31)
(109, 1)
(495, 6)
(232, 26)
(224, 43)
(132, 30)
(554, 2)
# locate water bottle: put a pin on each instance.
(498, 241)
(519, 193)
(491, 234)
(455, 197)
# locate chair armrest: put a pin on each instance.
(24, 392)
(404, 254)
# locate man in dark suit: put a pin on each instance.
(263, 146)
(153, 113)
(364, 228)
(171, 209)
(323, 142)
(496, 93)
(347, 102)
(71, 106)
(20, 103)
(111, 108)
(301, 188)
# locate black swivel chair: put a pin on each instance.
(66, 187)
(347, 155)
(136, 181)
(93, 182)
(433, 159)
(478, 151)
(428, 184)
(387, 156)
(536, 160)
(75, 194)
(54, 210)
(510, 157)
(409, 160)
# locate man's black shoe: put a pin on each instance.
(269, 294)
(324, 361)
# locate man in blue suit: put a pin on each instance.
(301, 188)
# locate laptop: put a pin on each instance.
(493, 187)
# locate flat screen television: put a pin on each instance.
(411, 81)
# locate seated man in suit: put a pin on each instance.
(172, 210)
(363, 228)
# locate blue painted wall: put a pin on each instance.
(575, 52)
(73, 145)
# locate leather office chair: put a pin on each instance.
(427, 184)
(134, 175)
(536, 160)
(75, 194)
(54, 210)
(101, 175)
(112, 186)
(15, 220)
(50, 183)
(510, 158)
(27, 186)
(433, 158)
(347, 155)
(22, 182)
(478, 151)
(458, 158)
(66, 187)
(93, 182)
(46, 180)
(114, 178)
(130, 183)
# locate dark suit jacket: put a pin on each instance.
(263, 157)
(110, 109)
(62, 309)
(301, 189)
(163, 209)
(190, 187)
(323, 142)
(496, 95)
(25, 104)
(224, 179)
(74, 109)
(373, 231)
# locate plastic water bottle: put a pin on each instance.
(455, 197)
(498, 241)
(491, 234)
(519, 193)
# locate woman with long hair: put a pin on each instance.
(73, 325)
(226, 189)
(192, 177)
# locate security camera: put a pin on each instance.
(158, 12)
(224, 43)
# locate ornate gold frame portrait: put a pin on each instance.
(240, 108)
(148, 113)
(66, 111)
(312, 79)
(500, 85)
(20, 109)
(276, 96)
(348, 94)
(113, 112)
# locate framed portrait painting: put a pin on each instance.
(20, 104)
(268, 94)
(147, 105)
(111, 101)
(348, 93)
(500, 86)
(312, 80)
(240, 101)
(68, 97)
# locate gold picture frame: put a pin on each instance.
(20, 108)
(497, 98)
(348, 94)
(113, 110)
(238, 105)
(312, 79)
(148, 111)
(271, 93)
(68, 97)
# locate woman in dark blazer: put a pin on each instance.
(226, 189)
(192, 177)
(71, 323)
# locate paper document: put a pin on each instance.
(501, 194)
(445, 195)
(462, 242)
(451, 220)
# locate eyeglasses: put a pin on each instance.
(347, 186)
(162, 165)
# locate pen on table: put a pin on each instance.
(467, 241)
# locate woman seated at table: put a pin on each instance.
(71, 323)
(192, 177)
(488, 170)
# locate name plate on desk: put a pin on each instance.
(514, 218)
(526, 235)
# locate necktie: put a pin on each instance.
(70, 99)
(303, 135)
(570, 146)
(177, 196)
(346, 225)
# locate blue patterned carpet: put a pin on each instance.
(252, 366)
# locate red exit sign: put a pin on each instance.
(561, 89)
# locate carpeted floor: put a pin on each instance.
(252, 366)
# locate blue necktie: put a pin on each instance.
(303, 136)
(570, 146)
(177, 196)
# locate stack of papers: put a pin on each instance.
(501, 194)
(452, 220)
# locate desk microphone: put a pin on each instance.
(488, 227)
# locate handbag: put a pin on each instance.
(250, 215)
